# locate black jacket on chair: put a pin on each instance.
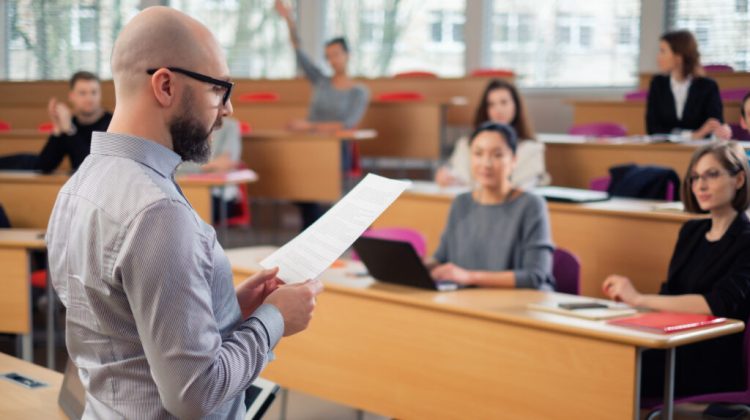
(723, 278)
(703, 102)
(647, 182)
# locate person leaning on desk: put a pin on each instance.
(683, 101)
(497, 235)
(709, 274)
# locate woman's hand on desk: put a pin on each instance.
(300, 125)
(621, 289)
(452, 272)
(445, 178)
(255, 289)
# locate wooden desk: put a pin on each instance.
(15, 283)
(725, 80)
(475, 353)
(28, 197)
(573, 161)
(297, 166)
(18, 402)
(631, 114)
(619, 236)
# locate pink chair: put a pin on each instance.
(415, 75)
(400, 97)
(739, 133)
(718, 68)
(492, 73)
(638, 95)
(567, 271)
(416, 239)
(733, 94)
(600, 129)
(600, 184)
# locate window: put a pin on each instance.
(561, 43)
(391, 36)
(719, 26)
(85, 28)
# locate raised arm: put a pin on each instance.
(286, 13)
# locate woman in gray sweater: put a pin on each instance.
(497, 235)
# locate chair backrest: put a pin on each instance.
(4, 126)
(733, 94)
(45, 127)
(245, 128)
(638, 95)
(600, 129)
(739, 133)
(404, 96)
(492, 73)
(415, 238)
(566, 268)
(253, 97)
(717, 68)
(418, 74)
(600, 184)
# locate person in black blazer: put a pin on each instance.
(709, 274)
(683, 101)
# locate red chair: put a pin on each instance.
(4, 126)
(242, 219)
(45, 127)
(400, 97)
(255, 97)
(603, 129)
(718, 68)
(566, 268)
(492, 73)
(245, 128)
(416, 239)
(415, 75)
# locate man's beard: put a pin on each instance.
(190, 140)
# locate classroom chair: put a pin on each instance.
(4, 126)
(739, 133)
(414, 237)
(566, 268)
(243, 218)
(492, 73)
(599, 129)
(718, 68)
(403, 96)
(245, 128)
(255, 97)
(733, 94)
(728, 398)
(45, 127)
(638, 95)
(418, 74)
(599, 183)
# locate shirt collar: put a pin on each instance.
(143, 151)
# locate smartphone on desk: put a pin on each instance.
(572, 306)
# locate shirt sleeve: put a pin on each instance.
(52, 154)
(312, 72)
(530, 170)
(714, 107)
(358, 107)
(166, 269)
(460, 161)
(537, 248)
(654, 125)
(730, 297)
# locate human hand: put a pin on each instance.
(255, 289)
(282, 9)
(723, 132)
(296, 303)
(620, 288)
(300, 125)
(444, 177)
(451, 272)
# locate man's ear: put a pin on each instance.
(163, 87)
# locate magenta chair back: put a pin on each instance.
(718, 68)
(733, 94)
(602, 129)
(566, 268)
(638, 95)
(416, 239)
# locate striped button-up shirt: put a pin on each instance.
(153, 321)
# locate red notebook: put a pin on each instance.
(667, 322)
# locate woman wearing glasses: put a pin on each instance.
(709, 273)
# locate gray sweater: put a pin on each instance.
(511, 236)
(330, 104)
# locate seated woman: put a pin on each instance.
(502, 104)
(709, 274)
(682, 100)
(497, 235)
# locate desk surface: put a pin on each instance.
(22, 238)
(499, 305)
(18, 402)
(362, 134)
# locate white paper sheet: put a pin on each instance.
(314, 250)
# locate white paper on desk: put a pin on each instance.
(314, 250)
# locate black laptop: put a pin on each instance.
(397, 262)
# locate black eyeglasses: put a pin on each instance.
(203, 78)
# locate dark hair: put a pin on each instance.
(519, 122)
(82, 75)
(683, 44)
(742, 104)
(506, 132)
(339, 40)
(733, 158)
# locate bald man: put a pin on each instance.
(154, 324)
